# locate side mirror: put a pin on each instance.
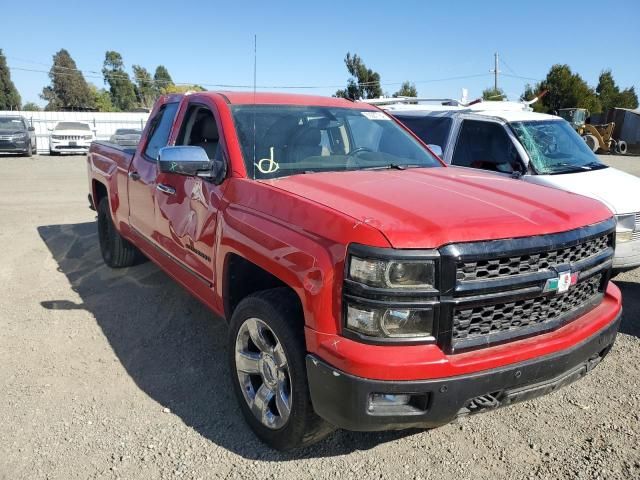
(184, 160)
(32, 129)
(437, 149)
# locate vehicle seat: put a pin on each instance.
(304, 143)
(206, 136)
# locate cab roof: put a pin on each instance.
(277, 98)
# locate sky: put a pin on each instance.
(440, 46)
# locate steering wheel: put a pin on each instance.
(358, 150)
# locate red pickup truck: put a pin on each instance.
(367, 285)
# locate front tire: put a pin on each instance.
(267, 362)
(116, 251)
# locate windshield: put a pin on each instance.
(554, 147)
(303, 139)
(72, 126)
(127, 131)
(11, 123)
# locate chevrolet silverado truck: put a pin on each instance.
(367, 285)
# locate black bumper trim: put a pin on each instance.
(342, 399)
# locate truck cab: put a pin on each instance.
(366, 284)
(507, 139)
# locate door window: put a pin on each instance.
(486, 145)
(160, 130)
(200, 129)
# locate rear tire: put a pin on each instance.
(621, 147)
(116, 251)
(282, 416)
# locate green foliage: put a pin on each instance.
(68, 89)
(9, 96)
(121, 88)
(407, 89)
(565, 90)
(182, 89)
(610, 95)
(162, 79)
(31, 107)
(493, 94)
(102, 99)
(364, 82)
(145, 87)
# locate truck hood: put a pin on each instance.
(431, 207)
(618, 190)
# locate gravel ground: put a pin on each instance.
(122, 374)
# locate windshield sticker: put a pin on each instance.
(375, 116)
(268, 165)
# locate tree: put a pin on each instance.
(183, 89)
(493, 94)
(121, 88)
(565, 90)
(610, 95)
(68, 89)
(364, 82)
(9, 96)
(31, 107)
(102, 99)
(407, 89)
(162, 79)
(145, 88)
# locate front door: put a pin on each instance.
(187, 206)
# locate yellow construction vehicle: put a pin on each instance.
(598, 137)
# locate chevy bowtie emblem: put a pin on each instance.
(562, 283)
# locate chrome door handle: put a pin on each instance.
(134, 176)
(166, 189)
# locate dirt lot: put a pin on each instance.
(121, 374)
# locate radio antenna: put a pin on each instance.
(255, 69)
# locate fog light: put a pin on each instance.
(397, 403)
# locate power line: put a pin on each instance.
(99, 75)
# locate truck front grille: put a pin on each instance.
(534, 262)
(504, 290)
(486, 320)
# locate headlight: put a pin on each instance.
(20, 136)
(88, 137)
(409, 274)
(626, 225)
(390, 322)
(56, 137)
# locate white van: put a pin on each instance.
(509, 139)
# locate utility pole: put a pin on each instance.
(495, 72)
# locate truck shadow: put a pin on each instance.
(631, 307)
(170, 345)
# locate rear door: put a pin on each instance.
(143, 171)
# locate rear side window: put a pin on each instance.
(486, 145)
(161, 127)
(431, 130)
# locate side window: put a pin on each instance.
(431, 130)
(485, 145)
(201, 130)
(160, 131)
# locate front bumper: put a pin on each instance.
(13, 146)
(627, 255)
(67, 147)
(343, 399)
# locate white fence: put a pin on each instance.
(103, 124)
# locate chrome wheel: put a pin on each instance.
(263, 373)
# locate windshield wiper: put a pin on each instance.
(392, 166)
(595, 165)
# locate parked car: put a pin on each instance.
(127, 137)
(70, 137)
(506, 138)
(17, 136)
(367, 285)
